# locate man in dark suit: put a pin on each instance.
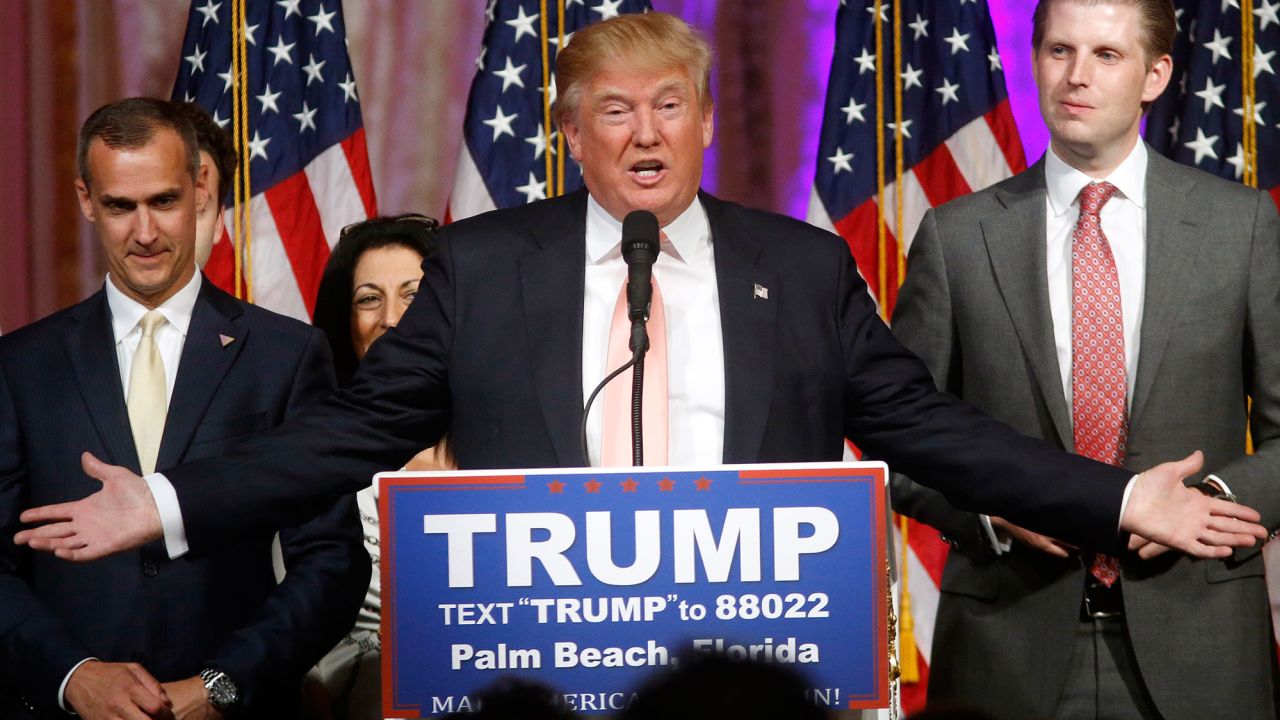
(157, 369)
(776, 353)
(996, 303)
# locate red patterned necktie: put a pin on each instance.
(1099, 415)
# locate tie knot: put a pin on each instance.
(150, 322)
(1094, 196)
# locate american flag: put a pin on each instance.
(510, 147)
(1200, 119)
(303, 137)
(958, 135)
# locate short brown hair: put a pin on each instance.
(132, 123)
(1158, 20)
(646, 40)
(216, 141)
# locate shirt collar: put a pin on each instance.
(126, 312)
(1064, 182)
(688, 236)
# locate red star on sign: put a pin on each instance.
(665, 484)
(629, 485)
(701, 484)
(557, 487)
(592, 486)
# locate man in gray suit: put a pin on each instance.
(1125, 307)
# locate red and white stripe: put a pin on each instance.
(469, 196)
(294, 225)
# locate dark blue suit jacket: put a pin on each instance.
(60, 395)
(492, 347)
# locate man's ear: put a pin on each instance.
(203, 197)
(572, 136)
(219, 220)
(86, 201)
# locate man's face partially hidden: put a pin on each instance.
(208, 216)
(639, 136)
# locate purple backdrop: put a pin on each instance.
(1013, 30)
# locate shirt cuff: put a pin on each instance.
(998, 546)
(62, 689)
(1222, 484)
(166, 498)
(1124, 502)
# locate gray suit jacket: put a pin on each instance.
(975, 307)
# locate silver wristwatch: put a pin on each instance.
(223, 693)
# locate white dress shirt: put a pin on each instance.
(126, 328)
(686, 275)
(1124, 222)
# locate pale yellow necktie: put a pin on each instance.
(146, 399)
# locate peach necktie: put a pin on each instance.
(616, 439)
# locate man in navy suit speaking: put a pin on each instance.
(774, 352)
(156, 369)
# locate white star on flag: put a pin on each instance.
(533, 190)
(911, 77)
(197, 60)
(957, 41)
(523, 24)
(349, 89)
(510, 75)
(1211, 94)
(306, 118)
(866, 62)
(281, 51)
(853, 111)
(607, 9)
(906, 127)
(312, 69)
(840, 161)
(920, 26)
(210, 12)
(501, 123)
(268, 100)
(1203, 146)
(323, 20)
(948, 91)
(258, 146)
(1218, 46)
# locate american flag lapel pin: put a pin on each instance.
(225, 339)
(760, 292)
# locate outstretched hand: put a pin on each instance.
(1166, 512)
(120, 516)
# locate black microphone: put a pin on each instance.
(640, 250)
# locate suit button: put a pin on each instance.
(149, 569)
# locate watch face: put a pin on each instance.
(222, 692)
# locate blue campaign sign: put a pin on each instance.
(589, 580)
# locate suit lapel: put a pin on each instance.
(1015, 244)
(1173, 232)
(552, 276)
(205, 361)
(91, 350)
(749, 328)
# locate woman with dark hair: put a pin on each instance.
(370, 279)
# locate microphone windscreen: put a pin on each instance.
(640, 237)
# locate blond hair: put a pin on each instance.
(650, 40)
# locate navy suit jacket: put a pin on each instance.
(492, 347)
(60, 395)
